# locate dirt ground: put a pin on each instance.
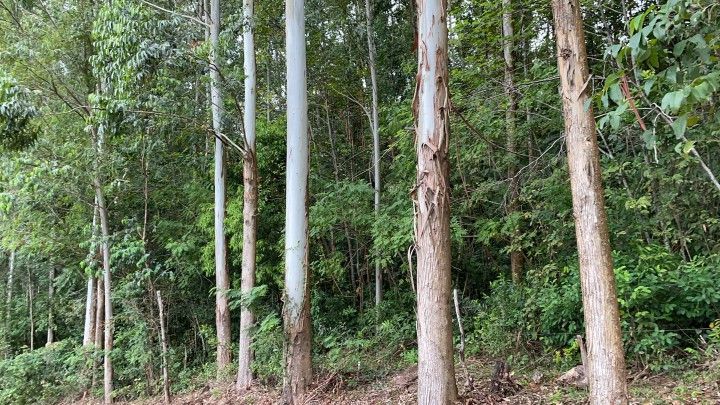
(482, 383)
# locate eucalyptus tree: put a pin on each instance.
(606, 361)
(296, 309)
(222, 280)
(250, 197)
(375, 127)
(436, 369)
(516, 256)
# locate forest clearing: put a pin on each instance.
(359, 202)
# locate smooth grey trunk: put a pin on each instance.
(222, 283)
(516, 256)
(250, 199)
(164, 347)
(99, 328)
(8, 299)
(605, 356)
(376, 136)
(431, 107)
(296, 308)
(107, 291)
(31, 300)
(51, 294)
(90, 301)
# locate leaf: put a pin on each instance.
(672, 101)
(687, 147)
(650, 139)
(680, 126)
(679, 48)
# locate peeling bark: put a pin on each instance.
(436, 370)
(250, 200)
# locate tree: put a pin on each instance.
(606, 362)
(296, 308)
(516, 256)
(436, 370)
(374, 122)
(250, 198)
(222, 282)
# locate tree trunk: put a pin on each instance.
(296, 309)
(376, 137)
(222, 283)
(8, 301)
(163, 342)
(516, 256)
(51, 294)
(89, 327)
(250, 199)
(108, 322)
(436, 370)
(31, 314)
(606, 364)
(90, 301)
(99, 327)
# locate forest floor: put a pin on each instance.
(696, 385)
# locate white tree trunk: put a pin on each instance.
(247, 319)
(375, 134)
(516, 256)
(222, 283)
(31, 301)
(51, 294)
(296, 310)
(8, 300)
(89, 327)
(436, 369)
(164, 348)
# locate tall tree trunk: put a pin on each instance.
(89, 325)
(250, 199)
(8, 301)
(90, 301)
(31, 314)
(606, 363)
(516, 256)
(222, 283)
(436, 370)
(51, 294)
(376, 136)
(164, 348)
(296, 310)
(99, 327)
(108, 321)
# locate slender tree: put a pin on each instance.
(8, 299)
(250, 198)
(296, 309)
(374, 122)
(516, 256)
(606, 363)
(222, 283)
(436, 370)
(51, 294)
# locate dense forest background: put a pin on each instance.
(655, 83)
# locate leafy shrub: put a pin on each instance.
(665, 303)
(43, 375)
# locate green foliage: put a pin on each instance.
(666, 305)
(45, 375)
(16, 112)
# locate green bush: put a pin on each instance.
(44, 375)
(666, 306)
